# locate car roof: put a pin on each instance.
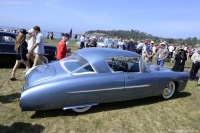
(97, 56)
(15, 34)
(8, 33)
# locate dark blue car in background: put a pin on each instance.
(8, 55)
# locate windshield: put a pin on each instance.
(76, 64)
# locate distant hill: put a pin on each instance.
(137, 35)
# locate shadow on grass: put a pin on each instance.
(9, 98)
(107, 106)
(20, 127)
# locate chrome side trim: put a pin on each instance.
(7, 53)
(80, 106)
(137, 86)
(109, 89)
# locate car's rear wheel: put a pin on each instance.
(45, 60)
(169, 91)
(81, 109)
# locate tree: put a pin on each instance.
(137, 35)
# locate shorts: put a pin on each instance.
(38, 60)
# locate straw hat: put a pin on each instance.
(152, 42)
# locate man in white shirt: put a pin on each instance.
(139, 47)
(195, 65)
(82, 41)
(38, 47)
(144, 50)
(106, 42)
(171, 49)
(121, 44)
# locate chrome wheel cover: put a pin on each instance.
(169, 90)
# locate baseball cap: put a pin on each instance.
(23, 31)
(31, 30)
(66, 34)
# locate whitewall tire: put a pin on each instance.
(169, 91)
(81, 109)
(45, 60)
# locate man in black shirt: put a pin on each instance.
(131, 46)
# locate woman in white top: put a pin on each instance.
(121, 44)
(31, 41)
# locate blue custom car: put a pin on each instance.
(96, 75)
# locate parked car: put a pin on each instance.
(96, 75)
(8, 54)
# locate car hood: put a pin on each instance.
(51, 72)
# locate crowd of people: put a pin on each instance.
(28, 45)
(10, 30)
(164, 51)
(50, 35)
(86, 42)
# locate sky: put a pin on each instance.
(163, 18)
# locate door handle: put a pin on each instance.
(129, 76)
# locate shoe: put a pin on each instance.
(197, 85)
(13, 79)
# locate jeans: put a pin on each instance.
(161, 62)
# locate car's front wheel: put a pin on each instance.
(169, 91)
(81, 109)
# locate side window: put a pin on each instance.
(6, 39)
(85, 69)
(124, 64)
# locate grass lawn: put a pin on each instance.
(182, 113)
